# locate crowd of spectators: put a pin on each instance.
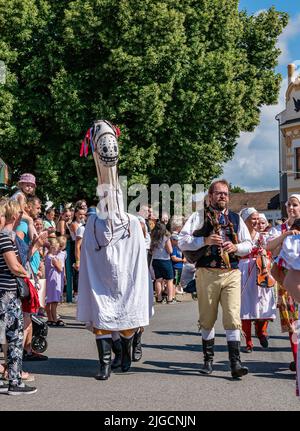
(43, 245)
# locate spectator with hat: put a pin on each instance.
(26, 188)
(28, 251)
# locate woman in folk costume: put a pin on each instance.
(114, 287)
(263, 224)
(290, 255)
(288, 309)
(257, 294)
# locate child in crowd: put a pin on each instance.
(177, 261)
(27, 187)
(38, 224)
(62, 240)
(54, 266)
(49, 222)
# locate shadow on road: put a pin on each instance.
(270, 369)
(218, 348)
(196, 334)
(190, 347)
(64, 367)
(69, 326)
(217, 335)
(89, 367)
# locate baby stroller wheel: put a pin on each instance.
(39, 344)
(194, 296)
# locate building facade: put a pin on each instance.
(266, 202)
(289, 138)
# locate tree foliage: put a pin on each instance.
(181, 79)
(236, 189)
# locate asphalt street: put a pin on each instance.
(167, 377)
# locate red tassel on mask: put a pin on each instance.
(118, 131)
(85, 144)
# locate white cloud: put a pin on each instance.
(258, 12)
(291, 30)
(255, 164)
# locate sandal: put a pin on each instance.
(24, 376)
(50, 323)
(171, 301)
(60, 322)
(27, 376)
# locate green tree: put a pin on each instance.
(236, 189)
(181, 79)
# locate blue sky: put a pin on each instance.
(255, 163)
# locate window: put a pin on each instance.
(297, 150)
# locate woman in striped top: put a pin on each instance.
(11, 316)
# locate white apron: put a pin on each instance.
(256, 302)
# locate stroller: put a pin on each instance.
(39, 333)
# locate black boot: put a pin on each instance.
(237, 370)
(208, 352)
(104, 349)
(292, 366)
(126, 353)
(117, 349)
(137, 347)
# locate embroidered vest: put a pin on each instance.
(211, 257)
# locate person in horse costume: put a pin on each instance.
(114, 290)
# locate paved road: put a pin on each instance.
(166, 379)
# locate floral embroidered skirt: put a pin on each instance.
(288, 310)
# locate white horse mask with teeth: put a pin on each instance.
(105, 142)
(103, 138)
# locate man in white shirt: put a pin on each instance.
(220, 238)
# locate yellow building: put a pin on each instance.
(289, 138)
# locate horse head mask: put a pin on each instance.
(103, 140)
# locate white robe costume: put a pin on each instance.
(256, 302)
(114, 291)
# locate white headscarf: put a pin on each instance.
(247, 212)
(296, 196)
(262, 215)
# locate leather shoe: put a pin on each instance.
(263, 341)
